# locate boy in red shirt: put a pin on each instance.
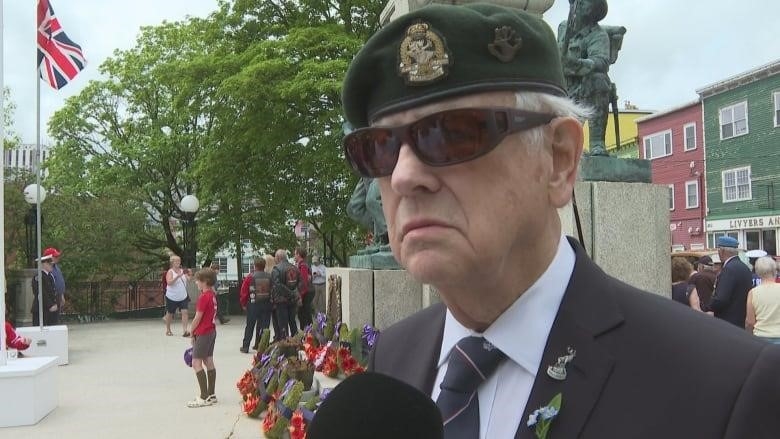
(204, 334)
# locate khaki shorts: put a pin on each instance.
(203, 345)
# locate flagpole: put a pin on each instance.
(38, 180)
(2, 192)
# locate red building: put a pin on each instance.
(674, 142)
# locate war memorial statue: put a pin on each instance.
(365, 207)
(587, 51)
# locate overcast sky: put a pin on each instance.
(672, 47)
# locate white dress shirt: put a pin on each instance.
(521, 333)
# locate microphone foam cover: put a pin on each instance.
(376, 406)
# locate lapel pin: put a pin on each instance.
(557, 371)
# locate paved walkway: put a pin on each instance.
(126, 379)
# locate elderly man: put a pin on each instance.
(475, 148)
(729, 298)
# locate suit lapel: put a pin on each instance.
(429, 342)
(585, 313)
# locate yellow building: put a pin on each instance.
(628, 133)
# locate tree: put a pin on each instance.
(242, 109)
(292, 58)
(139, 132)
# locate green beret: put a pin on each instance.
(443, 51)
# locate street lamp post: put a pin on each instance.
(35, 195)
(189, 206)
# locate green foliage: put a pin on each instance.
(265, 338)
(329, 330)
(15, 209)
(356, 342)
(241, 108)
(343, 332)
(291, 400)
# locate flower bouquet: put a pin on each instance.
(246, 385)
(300, 370)
(280, 412)
(290, 346)
(334, 350)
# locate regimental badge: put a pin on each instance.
(423, 57)
(557, 371)
(506, 44)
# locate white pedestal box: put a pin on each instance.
(29, 390)
(53, 341)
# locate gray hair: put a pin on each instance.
(546, 103)
(766, 267)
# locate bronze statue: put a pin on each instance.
(587, 50)
(365, 207)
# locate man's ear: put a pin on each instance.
(566, 150)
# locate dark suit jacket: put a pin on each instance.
(729, 299)
(645, 367)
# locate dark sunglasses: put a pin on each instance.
(439, 139)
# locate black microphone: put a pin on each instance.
(375, 406)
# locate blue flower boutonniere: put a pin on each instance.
(541, 418)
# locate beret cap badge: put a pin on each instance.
(506, 44)
(423, 56)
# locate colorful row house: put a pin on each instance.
(742, 134)
(673, 140)
(720, 158)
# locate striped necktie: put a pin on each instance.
(471, 361)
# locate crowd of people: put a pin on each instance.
(733, 292)
(278, 292)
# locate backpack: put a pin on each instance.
(285, 285)
(262, 286)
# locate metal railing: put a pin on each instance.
(87, 301)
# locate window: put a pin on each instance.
(733, 121)
(736, 184)
(689, 131)
(658, 145)
(247, 263)
(671, 197)
(222, 262)
(691, 194)
(776, 96)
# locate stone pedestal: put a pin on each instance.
(626, 231)
(396, 296)
(357, 295)
(24, 297)
(28, 387)
(380, 297)
(51, 342)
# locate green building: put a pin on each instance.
(741, 118)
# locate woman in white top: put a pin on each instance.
(176, 295)
(763, 303)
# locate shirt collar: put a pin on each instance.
(521, 331)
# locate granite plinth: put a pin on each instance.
(625, 227)
(357, 295)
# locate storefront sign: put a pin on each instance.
(755, 222)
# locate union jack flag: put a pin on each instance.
(59, 58)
